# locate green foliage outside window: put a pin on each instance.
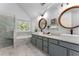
(23, 26)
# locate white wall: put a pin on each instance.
(12, 8)
(55, 11)
(74, 16)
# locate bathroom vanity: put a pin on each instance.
(56, 45)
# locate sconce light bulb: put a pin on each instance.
(61, 5)
(42, 15)
(67, 3)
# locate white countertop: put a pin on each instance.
(67, 38)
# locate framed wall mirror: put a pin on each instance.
(69, 18)
(42, 23)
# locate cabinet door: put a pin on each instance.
(69, 45)
(74, 53)
(33, 39)
(56, 50)
(45, 43)
(45, 46)
(39, 43)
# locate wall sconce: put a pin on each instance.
(63, 4)
(42, 15)
(42, 4)
(45, 15)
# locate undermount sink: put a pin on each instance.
(53, 34)
(39, 33)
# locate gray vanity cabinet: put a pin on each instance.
(55, 50)
(39, 42)
(74, 53)
(55, 47)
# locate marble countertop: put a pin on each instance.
(67, 38)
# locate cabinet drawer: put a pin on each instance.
(69, 45)
(45, 39)
(53, 41)
(39, 37)
(34, 36)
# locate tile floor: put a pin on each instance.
(22, 50)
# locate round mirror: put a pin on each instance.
(42, 23)
(69, 18)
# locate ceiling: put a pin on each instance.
(35, 9)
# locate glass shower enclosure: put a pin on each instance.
(6, 30)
